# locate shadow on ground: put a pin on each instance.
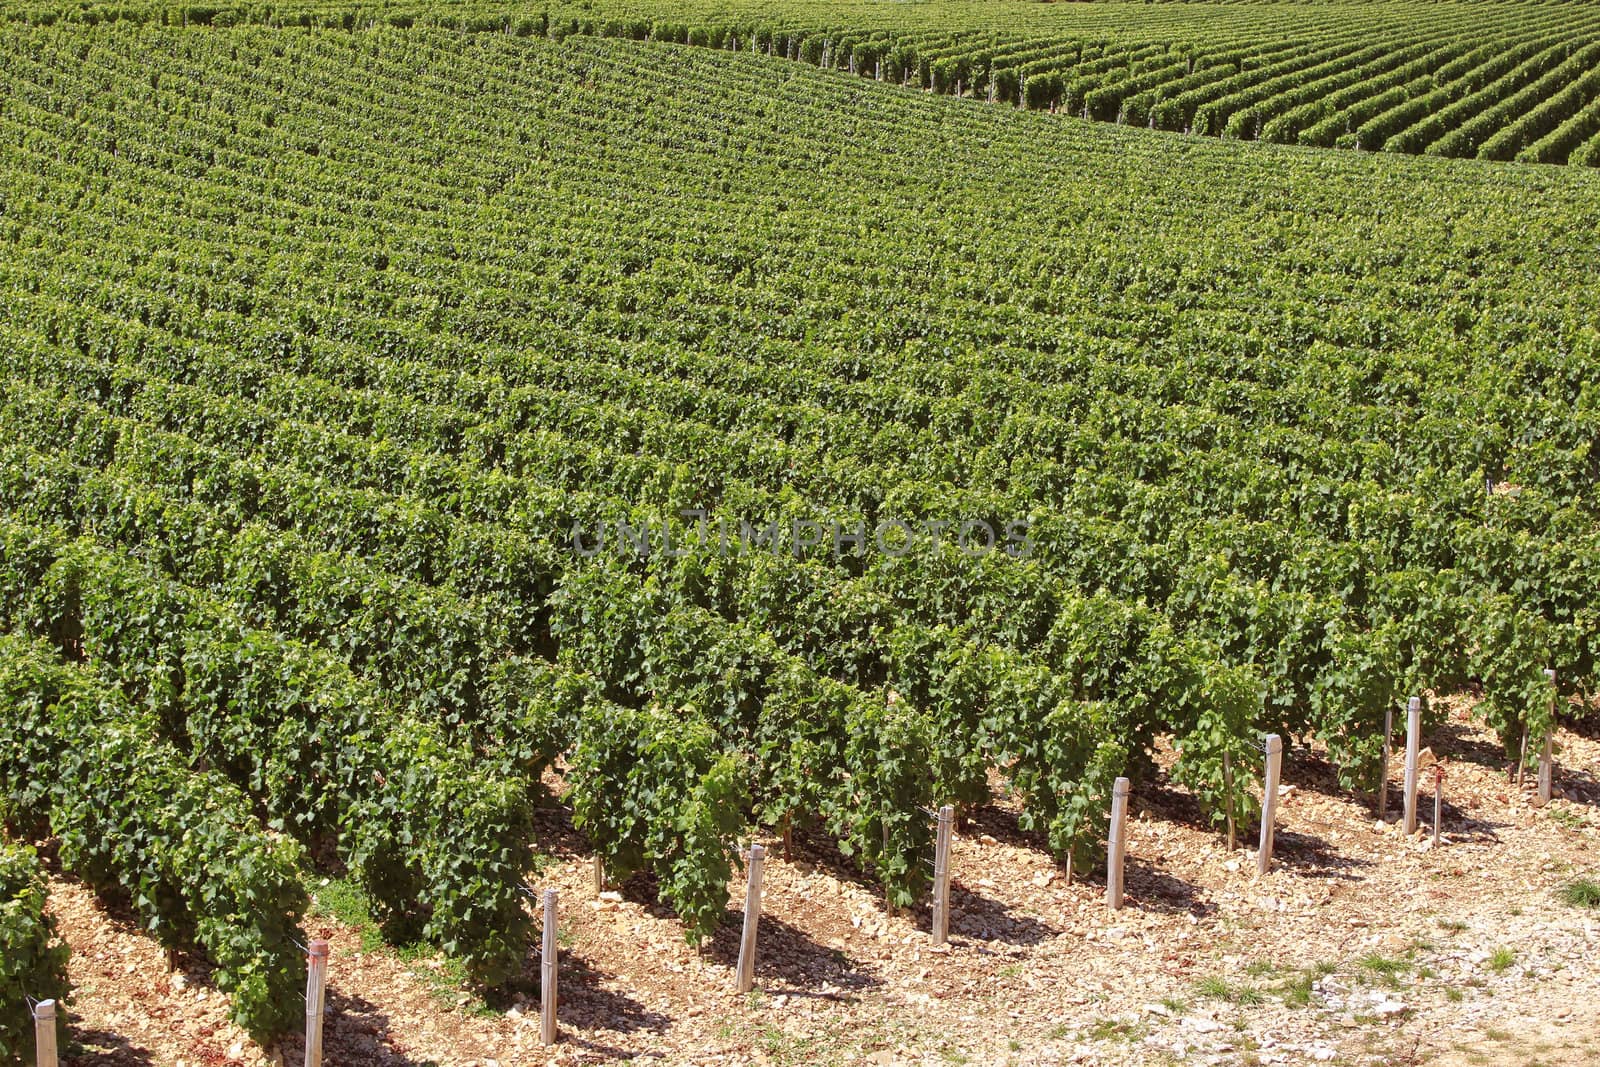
(101, 1048)
(354, 1031)
(790, 961)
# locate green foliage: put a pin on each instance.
(307, 515)
(33, 958)
(182, 847)
(442, 850)
(439, 832)
(1229, 708)
(1352, 694)
(1582, 893)
(652, 790)
(878, 812)
(1511, 648)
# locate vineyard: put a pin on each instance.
(1496, 81)
(408, 405)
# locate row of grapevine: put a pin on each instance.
(912, 600)
(1543, 119)
(307, 503)
(1325, 112)
(1174, 68)
(129, 816)
(1504, 115)
(228, 557)
(431, 829)
(1566, 142)
(33, 958)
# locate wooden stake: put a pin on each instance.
(599, 875)
(752, 919)
(1547, 758)
(44, 1032)
(1388, 754)
(1118, 845)
(941, 875)
(1269, 803)
(1227, 796)
(1438, 801)
(548, 972)
(316, 991)
(1413, 747)
(1522, 757)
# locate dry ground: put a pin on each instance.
(1363, 946)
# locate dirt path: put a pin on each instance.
(1361, 947)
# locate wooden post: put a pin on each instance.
(599, 874)
(44, 1032)
(1413, 747)
(1118, 845)
(1269, 803)
(1227, 796)
(1522, 755)
(888, 905)
(1388, 753)
(316, 987)
(941, 875)
(1438, 801)
(548, 971)
(1547, 757)
(746, 978)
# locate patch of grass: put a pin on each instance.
(1568, 818)
(1383, 965)
(1455, 926)
(1218, 988)
(785, 1048)
(1454, 995)
(1176, 1005)
(1502, 959)
(1582, 893)
(1297, 991)
(346, 903)
(445, 978)
(1257, 968)
(1115, 1030)
(1385, 969)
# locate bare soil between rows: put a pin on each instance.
(1362, 946)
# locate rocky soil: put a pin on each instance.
(1362, 946)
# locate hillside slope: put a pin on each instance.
(321, 346)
